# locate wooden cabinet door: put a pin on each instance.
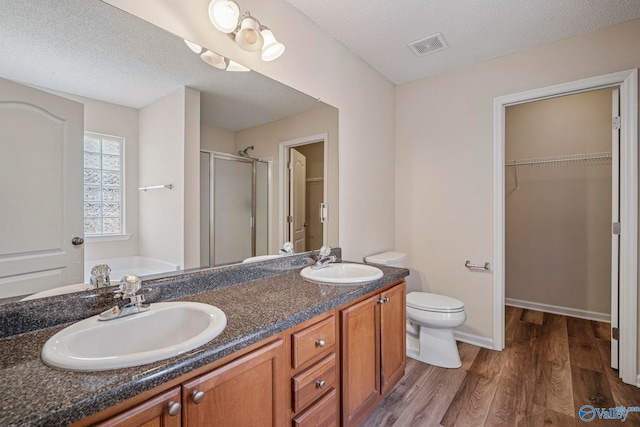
(360, 360)
(246, 392)
(156, 412)
(392, 336)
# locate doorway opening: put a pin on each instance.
(628, 210)
(303, 192)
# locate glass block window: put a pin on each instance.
(103, 184)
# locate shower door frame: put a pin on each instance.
(225, 156)
(628, 270)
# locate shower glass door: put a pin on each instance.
(232, 210)
(234, 215)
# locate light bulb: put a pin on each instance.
(249, 37)
(214, 59)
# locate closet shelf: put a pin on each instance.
(558, 159)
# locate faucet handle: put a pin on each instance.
(325, 251)
(100, 270)
(129, 285)
(287, 248)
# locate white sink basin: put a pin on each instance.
(167, 329)
(60, 291)
(342, 273)
(260, 258)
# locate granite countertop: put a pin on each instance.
(34, 394)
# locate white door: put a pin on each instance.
(297, 200)
(615, 218)
(41, 152)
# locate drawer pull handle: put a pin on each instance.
(320, 383)
(174, 408)
(197, 396)
(320, 342)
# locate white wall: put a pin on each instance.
(169, 139)
(320, 66)
(444, 158)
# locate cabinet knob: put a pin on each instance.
(320, 383)
(197, 396)
(174, 408)
(320, 342)
(384, 300)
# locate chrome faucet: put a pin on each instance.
(287, 249)
(324, 258)
(129, 285)
(100, 276)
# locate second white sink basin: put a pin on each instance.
(167, 329)
(59, 291)
(342, 273)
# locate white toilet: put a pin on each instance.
(430, 320)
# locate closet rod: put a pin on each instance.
(557, 159)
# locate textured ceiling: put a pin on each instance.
(379, 30)
(89, 48)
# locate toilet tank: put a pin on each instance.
(390, 259)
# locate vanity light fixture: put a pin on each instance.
(224, 15)
(245, 30)
(272, 48)
(214, 59)
(234, 66)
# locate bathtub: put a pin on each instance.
(138, 265)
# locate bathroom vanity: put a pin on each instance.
(294, 352)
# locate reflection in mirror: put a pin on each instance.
(105, 121)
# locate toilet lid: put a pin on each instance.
(433, 302)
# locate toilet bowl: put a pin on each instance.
(430, 322)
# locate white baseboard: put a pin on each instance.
(473, 339)
(638, 381)
(565, 311)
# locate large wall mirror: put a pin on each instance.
(120, 145)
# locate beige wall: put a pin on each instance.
(558, 218)
(266, 139)
(444, 158)
(215, 139)
(317, 64)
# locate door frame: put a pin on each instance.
(283, 192)
(628, 82)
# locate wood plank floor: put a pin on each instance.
(551, 366)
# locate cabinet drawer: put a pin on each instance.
(322, 414)
(312, 383)
(313, 341)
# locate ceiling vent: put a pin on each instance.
(433, 43)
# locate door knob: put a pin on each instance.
(77, 241)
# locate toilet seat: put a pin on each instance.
(434, 302)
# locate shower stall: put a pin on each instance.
(234, 208)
